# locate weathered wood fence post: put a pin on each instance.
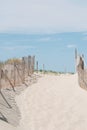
(1, 91)
(14, 73)
(0, 80)
(76, 60)
(23, 67)
(29, 65)
(43, 68)
(33, 62)
(37, 66)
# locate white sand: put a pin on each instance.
(53, 103)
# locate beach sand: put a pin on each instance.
(53, 103)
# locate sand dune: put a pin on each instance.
(53, 103)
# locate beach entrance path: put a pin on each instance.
(53, 103)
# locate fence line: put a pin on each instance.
(82, 73)
(14, 73)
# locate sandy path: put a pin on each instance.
(53, 103)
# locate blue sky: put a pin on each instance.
(48, 29)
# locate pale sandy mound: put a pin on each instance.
(53, 103)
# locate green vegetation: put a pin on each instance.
(53, 72)
(1, 64)
(13, 60)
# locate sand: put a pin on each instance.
(53, 103)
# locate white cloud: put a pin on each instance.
(71, 46)
(85, 38)
(47, 39)
(85, 34)
(44, 39)
(42, 16)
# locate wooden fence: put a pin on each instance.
(15, 73)
(82, 72)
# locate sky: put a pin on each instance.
(48, 29)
